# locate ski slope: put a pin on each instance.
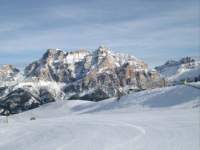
(184, 74)
(159, 119)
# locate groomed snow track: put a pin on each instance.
(133, 123)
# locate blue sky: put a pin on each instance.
(154, 30)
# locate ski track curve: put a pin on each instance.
(112, 125)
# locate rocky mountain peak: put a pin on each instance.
(53, 53)
(76, 56)
(103, 51)
(9, 69)
(67, 66)
(78, 74)
(171, 63)
(186, 60)
(8, 72)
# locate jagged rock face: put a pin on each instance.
(66, 67)
(86, 72)
(56, 65)
(186, 60)
(80, 74)
(3, 90)
(21, 100)
(8, 73)
(17, 101)
(45, 96)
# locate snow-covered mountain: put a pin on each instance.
(8, 73)
(163, 118)
(177, 71)
(80, 74)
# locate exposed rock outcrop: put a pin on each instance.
(21, 100)
(8, 73)
(79, 74)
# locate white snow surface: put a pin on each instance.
(181, 72)
(159, 119)
(185, 73)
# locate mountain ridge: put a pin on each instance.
(185, 69)
(88, 75)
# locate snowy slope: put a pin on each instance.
(185, 69)
(159, 119)
(185, 73)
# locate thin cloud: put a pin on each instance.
(143, 29)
